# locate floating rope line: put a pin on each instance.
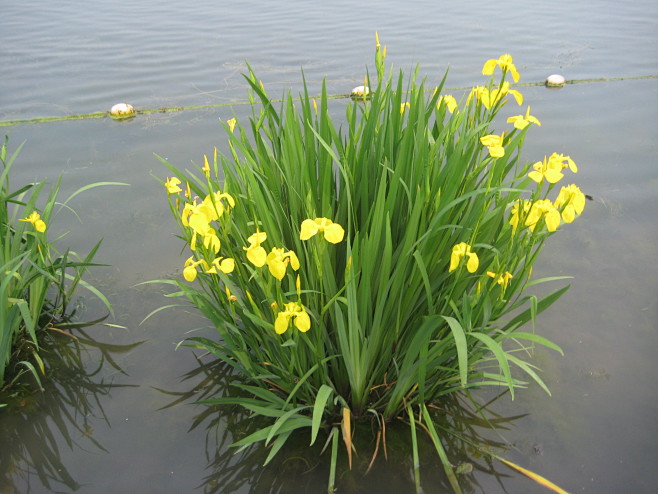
(170, 109)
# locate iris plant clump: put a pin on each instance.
(363, 270)
(38, 282)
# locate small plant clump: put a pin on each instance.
(38, 282)
(364, 270)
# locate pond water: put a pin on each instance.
(123, 422)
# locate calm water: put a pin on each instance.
(598, 432)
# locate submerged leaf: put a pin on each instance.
(536, 477)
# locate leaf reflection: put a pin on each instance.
(468, 430)
(33, 425)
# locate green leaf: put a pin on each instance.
(414, 449)
(535, 338)
(500, 355)
(527, 368)
(295, 423)
(531, 312)
(426, 281)
(277, 445)
(324, 393)
(447, 466)
(280, 422)
(460, 344)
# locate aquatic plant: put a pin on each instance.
(362, 271)
(38, 282)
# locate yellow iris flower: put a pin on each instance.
(520, 209)
(278, 260)
(231, 123)
(479, 92)
(573, 201)
(255, 253)
(504, 90)
(189, 270)
(505, 62)
(211, 240)
(449, 101)
(543, 209)
(172, 185)
(490, 98)
(215, 204)
(551, 168)
(502, 279)
(333, 232)
(460, 251)
(292, 311)
(35, 218)
(199, 216)
(522, 121)
(565, 161)
(494, 144)
(224, 264)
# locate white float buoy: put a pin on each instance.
(555, 80)
(122, 110)
(360, 92)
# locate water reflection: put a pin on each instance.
(33, 427)
(468, 431)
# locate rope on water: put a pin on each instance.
(169, 109)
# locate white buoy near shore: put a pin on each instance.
(360, 92)
(122, 110)
(555, 80)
